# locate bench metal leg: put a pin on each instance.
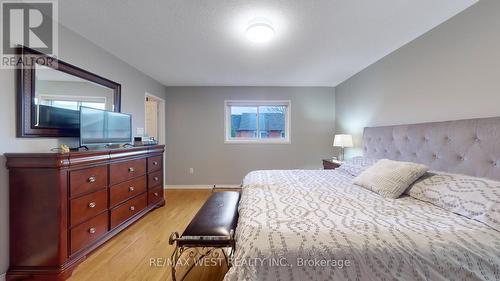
(176, 254)
(198, 254)
(202, 253)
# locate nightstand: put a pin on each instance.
(330, 164)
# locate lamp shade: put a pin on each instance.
(342, 140)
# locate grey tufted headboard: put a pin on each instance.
(470, 147)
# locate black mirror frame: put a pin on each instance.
(25, 75)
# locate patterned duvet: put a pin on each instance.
(316, 225)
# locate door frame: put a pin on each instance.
(161, 116)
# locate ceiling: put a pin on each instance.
(202, 43)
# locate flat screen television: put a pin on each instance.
(55, 117)
(100, 127)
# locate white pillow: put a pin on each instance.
(390, 178)
(472, 197)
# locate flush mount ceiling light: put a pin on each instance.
(260, 31)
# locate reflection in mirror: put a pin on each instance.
(59, 95)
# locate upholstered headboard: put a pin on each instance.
(470, 147)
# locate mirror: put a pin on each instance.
(58, 97)
(51, 93)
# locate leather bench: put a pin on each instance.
(211, 228)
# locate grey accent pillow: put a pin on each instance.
(357, 165)
(390, 178)
(472, 197)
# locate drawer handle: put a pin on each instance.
(155, 163)
(156, 178)
(92, 205)
(92, 179)
(92, 230)
(156, 194)
(132, 208)
(131, 189)
(131, 170)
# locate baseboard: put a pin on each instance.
(200, 186)
(192, 186)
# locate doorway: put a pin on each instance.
(154, 118)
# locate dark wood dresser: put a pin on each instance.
(64, 206)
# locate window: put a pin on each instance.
(70, 102)
(64, 104)
(96, 105)
(257, 121)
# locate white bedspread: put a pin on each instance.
(316, 225)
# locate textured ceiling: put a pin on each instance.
(317, 43)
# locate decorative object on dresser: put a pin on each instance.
(331, 164)
(65, 205)
(342, 141)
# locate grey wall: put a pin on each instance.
(80, 52)
(195, 133)
(451, 72)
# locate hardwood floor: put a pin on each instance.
(128, 255)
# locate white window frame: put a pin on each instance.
(256, 103)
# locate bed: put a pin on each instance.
(317, 225)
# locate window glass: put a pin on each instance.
(258, 121)
(65, 104)
(272, 121)
(96, 105)
(243, 122)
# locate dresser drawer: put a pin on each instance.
(155, 179)
(155, 164)
(123, 171)
(126, 190)
(128, 209)
(85, 207)
(89, 231)
(155, 195)
(88, 180)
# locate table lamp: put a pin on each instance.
(342, 141)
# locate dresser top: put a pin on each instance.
(75, 158)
